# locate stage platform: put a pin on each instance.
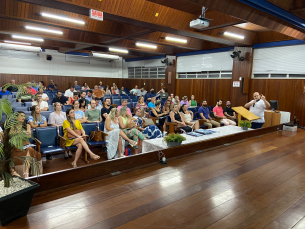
(72, 177)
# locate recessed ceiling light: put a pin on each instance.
(234, 35)
(62, 18)
(118, 50)
(146, 45)
(106, 56)
(43, 30)
(27, 38)
(16, 42)
(176, 39)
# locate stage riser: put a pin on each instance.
(68, 177)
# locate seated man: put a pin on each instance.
(151, 94)
(89, 95)
(52, 86)
(93, 114)
(83, 95)
(99, 93)
(59, 98)
(151, 105)
(5, 92)
(218, 113)
(122, 91)
(204, 113)
(43, 105)
(76, 86)
(106, 109)
(134, 90)
(124, 104)
(69, 92)
(99, 104)
(229, 112)
(13, 87)
(142, 92)
(45, 97)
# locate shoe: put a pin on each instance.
(66, 155)
(70, 154)
(73, 165)
(133, 143)
(49, 157)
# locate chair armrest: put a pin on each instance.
(201, 122)
(114, 105)
(38, 144)
(62, 142)
(171, 126)
(154, 119)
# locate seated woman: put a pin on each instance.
(57, 118)
(36, 120)
(116, 90)
(71, 99)
(156, 112)
(20, 167)
(85, 86)
(167, 106)
(176, 102)
(176, 117)
(188, 117)
(74, 127)
(115, 139)
(125, 122)
(142, 104)
(79, 114)
(151, 131)
(82, 105)
(193, 102)
(107, 90)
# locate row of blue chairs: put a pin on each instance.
(51, 108)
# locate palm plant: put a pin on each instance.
(13, 140)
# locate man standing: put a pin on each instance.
(106, 109)
(52, 86)
(89, 95)
(83, 96)
(204, 113)
(13, 88)
(151, 94)
(93, 114)
(218, 113)
(124, 104)
(258, 106)
(43, 105)
(69, 92)
(76, 86)
(229, 112)
(59, 98)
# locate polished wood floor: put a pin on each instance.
(257, 183)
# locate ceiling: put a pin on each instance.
(148, 21)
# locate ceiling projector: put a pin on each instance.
(201, 22)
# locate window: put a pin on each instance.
(278, 76)
(206, 75)
(146, 72)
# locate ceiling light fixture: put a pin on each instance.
(176, 39)
(43, 30)
(16, 47)
(16, 42)
(234, 35)
(104, 56)
(62, 18)
(27, 38)
(146, 45)
(118, 50)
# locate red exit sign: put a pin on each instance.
(97, 15)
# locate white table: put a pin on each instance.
(160, 144)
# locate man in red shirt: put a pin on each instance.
(30, 90)
(218, 113)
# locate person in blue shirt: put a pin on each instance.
(204, 113)
(151, 104)
(76, 86)
(4, 92)
(151, 94)
(52, 86)
(89, 95)
(35, 86)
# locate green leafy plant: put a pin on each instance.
(245, 123)
(174, 138)
(13, 140)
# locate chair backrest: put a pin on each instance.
(134, 100)
(88, 127)
(51, 108)
(66, 107)
(134, 104)
(133, 97)
(102, 125)
(61, 131)
(168, 118)
(16, 104)
(50, 102)
(195, 116)
(193, 109)
(47, 136)
(28, 104)
(163, 99)
(116, 102)
(129, 105)
(46, 114)
(31, 140)
(15, 109)
(124, 96)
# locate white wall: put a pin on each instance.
(14, 62)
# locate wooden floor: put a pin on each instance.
(257, 183)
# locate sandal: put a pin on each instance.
(95, 157)
(70, 154)
(133, 143)
(74, 165)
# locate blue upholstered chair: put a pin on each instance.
(88, 128)
(15, 109)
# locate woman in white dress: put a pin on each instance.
(116, 137)
(188, 117)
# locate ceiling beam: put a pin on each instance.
(77, 47)
(156, 27)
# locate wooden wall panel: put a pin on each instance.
(241, 69)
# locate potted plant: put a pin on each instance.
(174, 139)
(244, 124)
(16, 193)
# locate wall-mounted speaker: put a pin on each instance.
(49, 57)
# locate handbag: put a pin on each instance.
(78, 132)
(148, 121)
(96, 135)
(186, 129)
